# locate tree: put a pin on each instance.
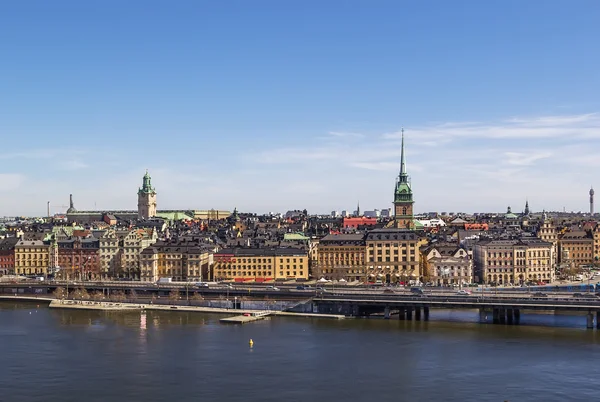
(98, 296)
(197, 297)
(174, 295)
(117, 296)
(80, 294)
(133, 295)
(60, 293)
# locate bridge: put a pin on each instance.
(504, 310)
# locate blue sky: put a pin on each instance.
(276, 105)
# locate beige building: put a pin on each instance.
(547, 232)
(110, 252)
(183, 261)
(341, 256)
(260, 264)
(504, 262)
(580, 247)
(392, 255)
(32, 257)
(596, 236)
(134, 243)
(446, 265)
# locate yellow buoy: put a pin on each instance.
(251, 343)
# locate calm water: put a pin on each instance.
(53, 355)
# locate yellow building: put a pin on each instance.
(260, 264)
(392, 255)
(32, 257)
(182, 261)
(596, 235)
(341, 256)
(514, 261)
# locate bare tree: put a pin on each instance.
(117, 296)
(197, 297)
(98, 296)
(60, 293)
(80, 294)
(174, 295)
(133, 295)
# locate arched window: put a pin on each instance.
(403, 210)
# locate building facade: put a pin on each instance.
(547, 232)
(110, 253)
(446, 265)
(136, 241)
(502, 262)
(392, 255)
(183, 261)
(580, 247)
(146, 199)
(78, 258)
(260, 264)
(32, 257)
(7, 255)
(341, 256)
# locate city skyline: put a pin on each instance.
(264, 111)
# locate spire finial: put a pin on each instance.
(402, 160)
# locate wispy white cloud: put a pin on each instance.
(571, 126)
(525, 159)
(454, 166)
(343, 134)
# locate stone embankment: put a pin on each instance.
(116, 306)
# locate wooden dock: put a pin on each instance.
(246, 318)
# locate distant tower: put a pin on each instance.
(526, 212)
(358, 209)
(71, 206)
(592, 201)
(403, 196)
(146, 199)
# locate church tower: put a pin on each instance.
(146, 199)
(403, 196)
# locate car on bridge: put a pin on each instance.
(585, 295)
(463, 292)
(539, 295)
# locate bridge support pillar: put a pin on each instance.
(590, 321)
(509, 316)
(517, 314)
(402, 313)
(482, 315)
(418, 313)
(597, 319)
(386, 313)
(426, 313)
(496, 316)
(355, 310)
(409, 311)
(502, 315)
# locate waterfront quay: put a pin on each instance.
(504, 310)
(503, 307)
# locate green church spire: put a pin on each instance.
(403, 192)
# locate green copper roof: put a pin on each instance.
(147, 185)
(294, 236)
